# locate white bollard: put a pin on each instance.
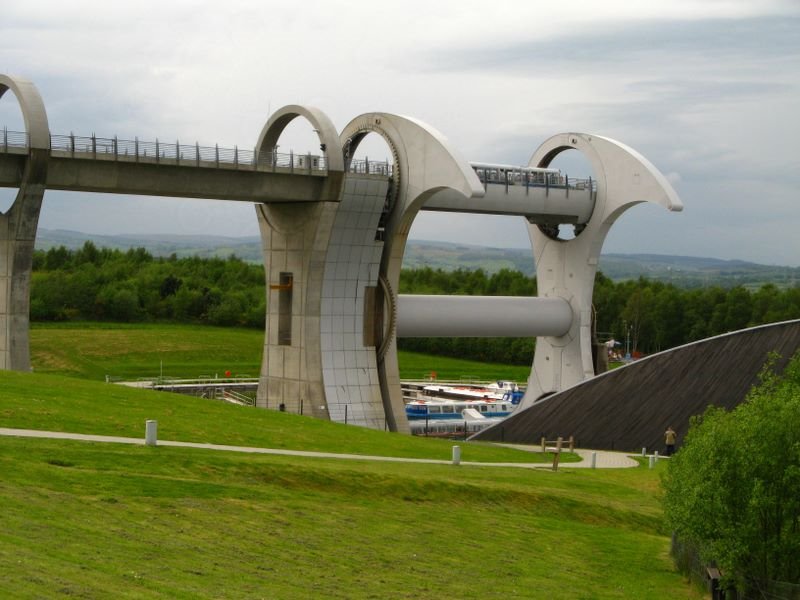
(655, 455)
(594, 460)
(151, 433)
(644, 452)
(456, 455)
(652, 461)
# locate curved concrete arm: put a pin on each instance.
(18, 229)
(425, 159)
(323, 126)
(33, 111)
(624, 177)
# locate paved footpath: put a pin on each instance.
(605, 460)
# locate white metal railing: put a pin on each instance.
(529, 177)
(174, 153)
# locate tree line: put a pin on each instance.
(102, 284)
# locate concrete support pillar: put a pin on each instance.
(350, 305)
(322, 264)
(18, 230)
(566, 268)
(294, 241)
(423, 164)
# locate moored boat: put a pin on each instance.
(497, 400)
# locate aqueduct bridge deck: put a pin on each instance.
(116, 166)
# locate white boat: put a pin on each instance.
(450, 402)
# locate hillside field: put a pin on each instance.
(132, 351)
(96, 520)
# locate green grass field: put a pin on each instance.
(95, 520)
(57, 403)
(131, 351)
(94, 350)
(98, 520)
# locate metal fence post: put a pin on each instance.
(236, 156)
(158, 153)
(197, 153)
(177, 152)
(5, 139)
(116, 148)
(136, 147)
(94, 147)
(216, 154)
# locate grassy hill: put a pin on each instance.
(146, 350)
(96, 520)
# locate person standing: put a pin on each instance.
(669, 438)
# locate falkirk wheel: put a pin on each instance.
(333, 232)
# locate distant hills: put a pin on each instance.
(204, 246)
(683, 271)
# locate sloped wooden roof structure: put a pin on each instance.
(631, 407)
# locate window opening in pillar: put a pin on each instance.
(285, 309)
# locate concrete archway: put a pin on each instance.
(294, 237)
(18, 228)
(424, 163)
(566, 268)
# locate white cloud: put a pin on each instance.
(707, 90)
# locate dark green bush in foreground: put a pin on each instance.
(733, 490)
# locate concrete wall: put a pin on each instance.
(349, 367)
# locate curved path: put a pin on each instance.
(605, 460)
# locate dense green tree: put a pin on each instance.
(103, 284)
(733, 490)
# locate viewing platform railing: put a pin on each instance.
(195, 155)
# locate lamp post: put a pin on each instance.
(627, 340)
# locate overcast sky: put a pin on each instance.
(708, 90)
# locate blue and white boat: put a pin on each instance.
(498, 400)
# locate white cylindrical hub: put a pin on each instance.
(652, 461)
(456, 455)
(482, 316)
(594, 460)
(151, 433)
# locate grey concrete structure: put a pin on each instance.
(333, 233)
(478, 316)
(18, 228)
(566, 269)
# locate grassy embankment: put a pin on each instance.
(98, 520)
(94, 350)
